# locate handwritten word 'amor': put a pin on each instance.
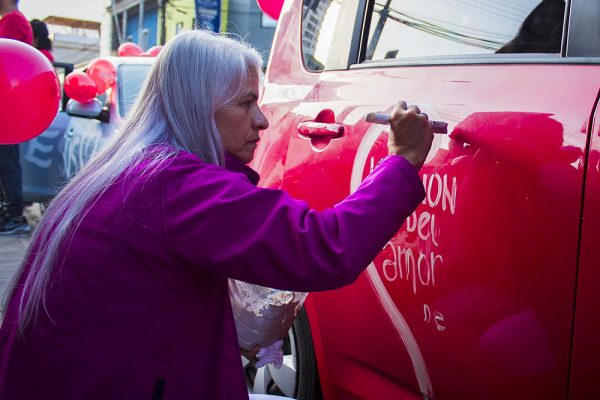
(405, 264)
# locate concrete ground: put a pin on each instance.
(12, 250)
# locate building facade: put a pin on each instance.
(313, 13)
(134, 21)
(73, 40)
(152, 22)
(180, 15)
(246, 20)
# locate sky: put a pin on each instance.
(79, 9)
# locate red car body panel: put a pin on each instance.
(474, 297)
(586, 347)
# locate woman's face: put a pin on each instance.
(240, 121)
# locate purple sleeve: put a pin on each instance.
(218, 222)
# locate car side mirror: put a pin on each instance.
(90, 109)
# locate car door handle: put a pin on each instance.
(323, 127)
(314, 129)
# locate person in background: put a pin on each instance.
(124, 294)
(541, 32)
(41, 41)
(13, 25)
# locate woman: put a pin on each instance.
(41, 41)
(124, 291)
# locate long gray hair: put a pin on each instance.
(195, 74)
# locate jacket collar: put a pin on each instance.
(233, 164)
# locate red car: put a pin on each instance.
(489, 290)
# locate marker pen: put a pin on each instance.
(384, 119)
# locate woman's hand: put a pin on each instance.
(411, 135)
(251, 354)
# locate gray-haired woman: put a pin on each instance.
(123, 293)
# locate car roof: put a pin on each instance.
(117, 61)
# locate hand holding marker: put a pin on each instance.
(384, 119)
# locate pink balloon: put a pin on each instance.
(80, 86)
(153, 51)
(129, 49)
(103, 73)
(271, 7)
(29, 92)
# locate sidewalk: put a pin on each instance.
(12, 250)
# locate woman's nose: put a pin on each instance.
(260, 122)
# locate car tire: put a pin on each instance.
(298, 378)
(308, 386)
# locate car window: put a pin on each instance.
(422, 28)
(328, 27)
(62, 72)
(130, 78)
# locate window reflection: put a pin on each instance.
(327, 30)
(417, 28)
(541, 31)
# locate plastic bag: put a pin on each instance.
(262, 315)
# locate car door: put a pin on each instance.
(586, 348)
(474, 296)
(41, 157)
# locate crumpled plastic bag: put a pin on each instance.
(270, 355)
(262, 315)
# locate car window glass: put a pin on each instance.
(131, 79)
(62, 73)
(421, 28)
(327, 30)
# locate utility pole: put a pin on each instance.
(383, 15)
(141, 24)
(162, 4)
(116, 22)
(124, 17)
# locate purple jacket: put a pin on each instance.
(140, 303)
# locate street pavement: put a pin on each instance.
(12, 251)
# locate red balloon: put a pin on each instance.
(29, 92)
(271, 7)
(153, 51)
(129, 49)
(103, 73)
(80, 86)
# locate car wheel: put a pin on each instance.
(298, 377)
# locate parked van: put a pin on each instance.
(50, 160)
(489, 290)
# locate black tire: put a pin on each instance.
(308, 386)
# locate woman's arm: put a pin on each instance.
(218, 222)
